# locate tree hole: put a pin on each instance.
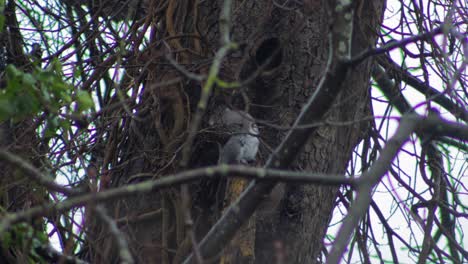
(269, 52)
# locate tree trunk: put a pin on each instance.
(291, 42)
(302, 219)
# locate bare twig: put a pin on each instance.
(124, 251)
(434, 125)
(54, 256)
(435, 163)
(421, 87)
(36, 175)
(227, 45)
(394, 44)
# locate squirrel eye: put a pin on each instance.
(254, 127)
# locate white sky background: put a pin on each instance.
(392, 199)
(385, 193)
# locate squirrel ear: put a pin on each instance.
(253, 128)
(220, 150)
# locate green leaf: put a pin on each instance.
(2, 23)
(29, 103)
(65, 124)
(7, 239)
(56, 66)
(66, 98)
(6, 108)
(77, 72)
(84, 101)
(51, 128)
(29, 80)
(12, 72)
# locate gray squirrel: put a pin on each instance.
(242, 146)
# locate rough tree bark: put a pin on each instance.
(292, 42)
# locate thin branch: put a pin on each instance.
(435, 164)
(54, 256)
(227, 45)
(388, 231)
(460, 145)
(124, 251)
(393, 45)
(390, 89)
(183, 70)
(434, 125)
(35, 174)
(420, 86)
(452, 240)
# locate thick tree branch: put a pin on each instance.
(435, 126)
(171, 181)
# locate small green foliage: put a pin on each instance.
(23, 236)
(84, 101)
(2, 16)
(7, 240)
(44, 92)
(227, 85)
